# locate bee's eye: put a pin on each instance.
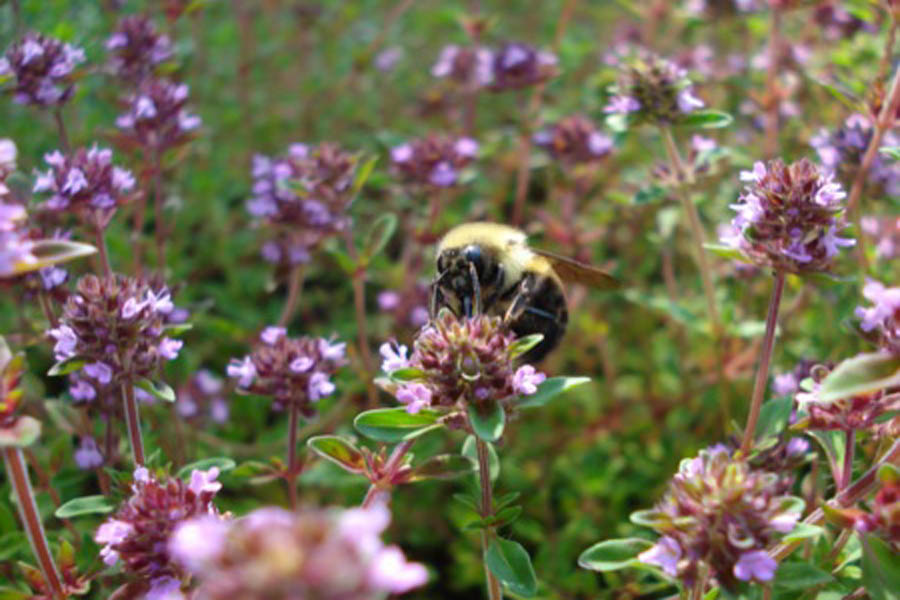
(441, 267)
(473, 255)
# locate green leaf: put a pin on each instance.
(728, 252)
(178, 328)
(64, 367)
(21, 434)
(549, 389)
(407, 374)
(617, 122)
(443, 466)
(891, 152)
(649, 518)
(222, 462)
(379, 235)
(649, 195)
(395, 424)
(773, 417)
(880, 569)
(339, 451)
(803, 531)
(85, 505)
(362, 175)
(471, 452)
(489, 424)
(861, 374)
(510, 563)
(799, 575)
(613, 555)
(524, 344)
(8, 593)
(158, 389)
(712, 594)
(707, 119)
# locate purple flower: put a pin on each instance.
(703, 144)
(756, 565)
(401, 153)
(334, 352)
(168, 348)
(270, 334)
(443, 175)
(665, 553)
(415, 396)
(42, 67)
(394, 356)
(517, 65)
(319, 386)
(797, 446)
(164, 588)
(205, 481)
(622, 105)
(433, 160)
(88, 456)
(471, 68)
(157, 116)
(243, 370)
(526, 380)
(301, 364)
(688, 102)
(111, 533)
(785, 384)
(882, 319)
(574, 140)
(99, 371)
(53, 277)
(81, 390)
(66, 342)
(136, 48)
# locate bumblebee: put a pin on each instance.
(488, 268)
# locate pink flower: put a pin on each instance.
(168, 348)
(665, 553)
(392, 572)
(99, 371)
(757, 565)
(205, 481)
(415, 396)
(526, 379)
(112, 532)
(270, 335)
(197, 542)
(66, 340)
(242, 370)
(334, 352)
(319, 386)
(164, 588)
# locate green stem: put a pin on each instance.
(295, 286)
(291, 476)
(765, 359)
(31, 519)
(487, 510)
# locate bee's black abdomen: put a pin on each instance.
(544, 312)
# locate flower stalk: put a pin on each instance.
(765, 359)
(487, 509)
(290, 477)
(696, 228)
(31, 518)
(395, 460)
(133, 420)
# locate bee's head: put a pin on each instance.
(464, 269)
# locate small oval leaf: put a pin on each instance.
(396, 424)
(510, 563)
(158, 389)
(85, 505)
(222, 462)
(21, 434)
(613, 555)
(443, 466)
(64, 367)
(859, 375)
(549, 389)
(339, 451)
(488, 425)
(524, 344)
(379, 235)
(707, 119)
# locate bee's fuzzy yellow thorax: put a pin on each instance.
(508, 242)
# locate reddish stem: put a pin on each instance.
(291, 476)
(133, 420)
(31, 519)
(295, 286)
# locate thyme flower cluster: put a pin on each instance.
(470, 68)
(882, 318)
(469, 361)
(85, 182)
(574, 140)
(274, 554)
(42, 67)
(303, 196)
(116, 325)
(433, 161)
(653, 89)
(136, 48)
(722, 513)
(138, 533)
(156, 116)
(514, 65)
(788, 217)
(292, 371)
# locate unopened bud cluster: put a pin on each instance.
(136, 48)
(274, 554)
(721, 514)
(117, 326)
(292, 371)
(653, 89)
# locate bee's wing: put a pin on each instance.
(575, 271)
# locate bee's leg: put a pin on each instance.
(432, 305)
(475, 307)
(496, 284)
(520, 302)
